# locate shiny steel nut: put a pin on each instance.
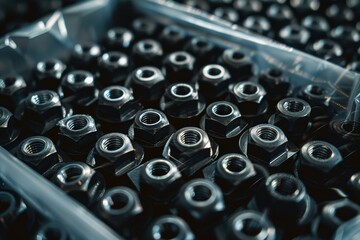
(319, 161)
(222, 120)
(144, 27)
(151, 128)
(213, 80)
(233, 169)
(121, 208)
(77, 134)
(119, 38)
(347, 36)
(333, 215)
(79, 84)
(293, 116)
(201, 49)
(12, 91)
(190, 149)
(86, 55)
(160, 179)
(286, 201)
(248, 7)
(227, 13)
(147, 52)
(38, 152)
(179, 67)
(49, 231)
(8, 132)
(279, 15)
(200, 200)
(267, 144)
(317, 25)
(305, 7)
(115, 153)
(80, 182)
(315, 95)
(49, 73)
(295, 36)
(182, 100)
(238, 64)
(258, 24)
(276, 83)
(114, 68)
(247, 224)
(148, 83)
(116, 104)
(169, 227)
(326, 49)
(249, 98)
(172, 37)
(42, 111)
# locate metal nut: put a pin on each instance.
(115, 153)
(258, 24)
(172, 37)
(147, 52)
(144, 27)
(38, 152)
(238, 64)
(276, 84)
(190, 149)
(80, 182)
(201, 49)
(213, 80)
(295, 36)
(119, 38)
(86, 55)
(51, 230)
(49, 73)
(114, 68)
(12, 91)
(179, 66)
(227, 13)
(8, 131)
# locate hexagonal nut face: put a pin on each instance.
(214, 80)
(81, 182)
(77, 127)
(159, 175)
(234, 168)
(77, 81)
(222, 119)
(148, 83)
(275, 79)
(10, 85)
(51, 68)
(39, 152)
(178, 61)
(266, 142)
(119, 206)
(115, 63)
(237, 62)
(169, 225)
(116, 103)
(87, 52)
(200, 199)
(319, 160)
(151, 127)
(148, 50)
(315, 94)
(7, 125)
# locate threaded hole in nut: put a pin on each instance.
(7, 82)
(71, 174)
(287, 187)
(249, 89)
(275, 73)
(222, 110)
(267, 134)
(181, 90)
(190, 137)
(150, 118)
(201, 43)
(201, 193)
(321, 152)
(214, 71)
(169, 230)
(113, 143)
(49, 66)
(79, 78)
(147, 73)
(251, 227)
(345, 213)
(180, 58)
(34, 147)
(237, 55)
(52, 234)
(118, 201)
(148, 46)
(4, 204)
(114, 93)
(294, 106)
(235, 164)
(159, 169)
(41, 98)
(77, 123)
(316, 90)
(113, 58)
(351, 127)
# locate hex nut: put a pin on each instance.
(258, 24)
(119, 38)
(315, 95)
(172, 226)
(147, 52)
(172, 37)
(49, 73)
(80, 182)
(151, 128)
(144, 27)
(51, 230)
(276, 84)
(148, 83)
(182, 100)
(116, 104)
(292, 116)
(13, 209)
(247, 224)
(318, 161)
(42, 111)
(249, 97)
(202, 49)
(222, 120)
(38, 152)
(227, 13)
(160, 179)
(213, 80)
(238, 64)
(295, 35)
(279, 15)
(86, 55)
(114, 68)
(190, 149)
(77, 134)
(200, 200)
(179, 67)
(12, 90)
(8, 130)
(121, 208)
(115, 153)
